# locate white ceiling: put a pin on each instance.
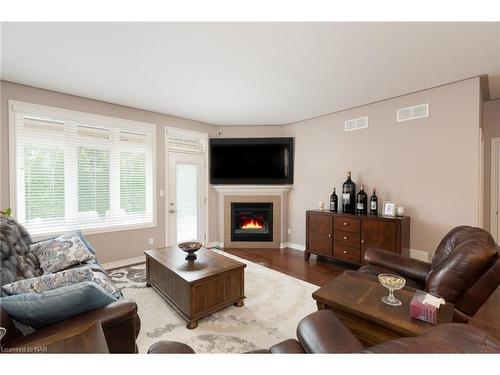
(247, 73)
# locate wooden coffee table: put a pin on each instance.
(357, 303)
(196, 288)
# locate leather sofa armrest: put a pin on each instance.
(289, 346)
(323, 332)
(405, 266)
(170, 347)
(119, 322)
(258, 351)
(109, 315)
(11, 331)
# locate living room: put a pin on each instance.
(250, 187)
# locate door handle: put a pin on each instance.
(172, 211)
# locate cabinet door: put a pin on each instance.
(319, 230)
(378, 233)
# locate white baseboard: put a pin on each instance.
(123, 263)
(215, 244)
(419, 254)
(295, 246)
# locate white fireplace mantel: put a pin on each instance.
(248, 191)
(252, 189)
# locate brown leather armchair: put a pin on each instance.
(465, 269)
(322, 332)
(119, 321)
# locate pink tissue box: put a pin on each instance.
(422, 311)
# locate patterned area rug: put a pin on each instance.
(274, 305)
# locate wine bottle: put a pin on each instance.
(361, 202)
(349, 195)
(373, 204)
(334, 201)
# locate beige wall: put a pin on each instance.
(114, 245)
(491, 129)
(430, 166)
(251, 131)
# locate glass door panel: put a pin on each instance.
(187, 201)
(185, 198)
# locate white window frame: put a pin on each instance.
(90, 119)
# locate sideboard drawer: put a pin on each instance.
(351, 239)
(350, 254)
(346, 224)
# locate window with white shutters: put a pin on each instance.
(79, 171)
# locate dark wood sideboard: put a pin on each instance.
(346, 237)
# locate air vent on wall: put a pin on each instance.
(356, 124)
(412, 113)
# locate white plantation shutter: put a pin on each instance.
(185, 143)
(73, 174)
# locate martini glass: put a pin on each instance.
(391, 282)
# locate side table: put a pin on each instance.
(357, 303)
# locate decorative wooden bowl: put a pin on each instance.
(190, 248)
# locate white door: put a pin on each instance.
(186, 200)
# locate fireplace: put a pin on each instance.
(251, 222)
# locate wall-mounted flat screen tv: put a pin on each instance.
(251, 161)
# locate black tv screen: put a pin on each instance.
(251, 160)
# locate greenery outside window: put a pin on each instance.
(74, 174)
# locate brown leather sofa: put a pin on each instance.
(119, 320)
(322, 332)
(465, 269)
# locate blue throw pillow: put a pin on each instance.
(41, 309)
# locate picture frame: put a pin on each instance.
(389, 208)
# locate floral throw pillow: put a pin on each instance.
(49, 281)
(62, 252)
(107, 285)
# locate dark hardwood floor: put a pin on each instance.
(291, 262)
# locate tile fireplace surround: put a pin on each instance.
(227, 194)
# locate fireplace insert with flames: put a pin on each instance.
(251, 222)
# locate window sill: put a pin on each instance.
(92, 231)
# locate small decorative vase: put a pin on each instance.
(191, 248)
